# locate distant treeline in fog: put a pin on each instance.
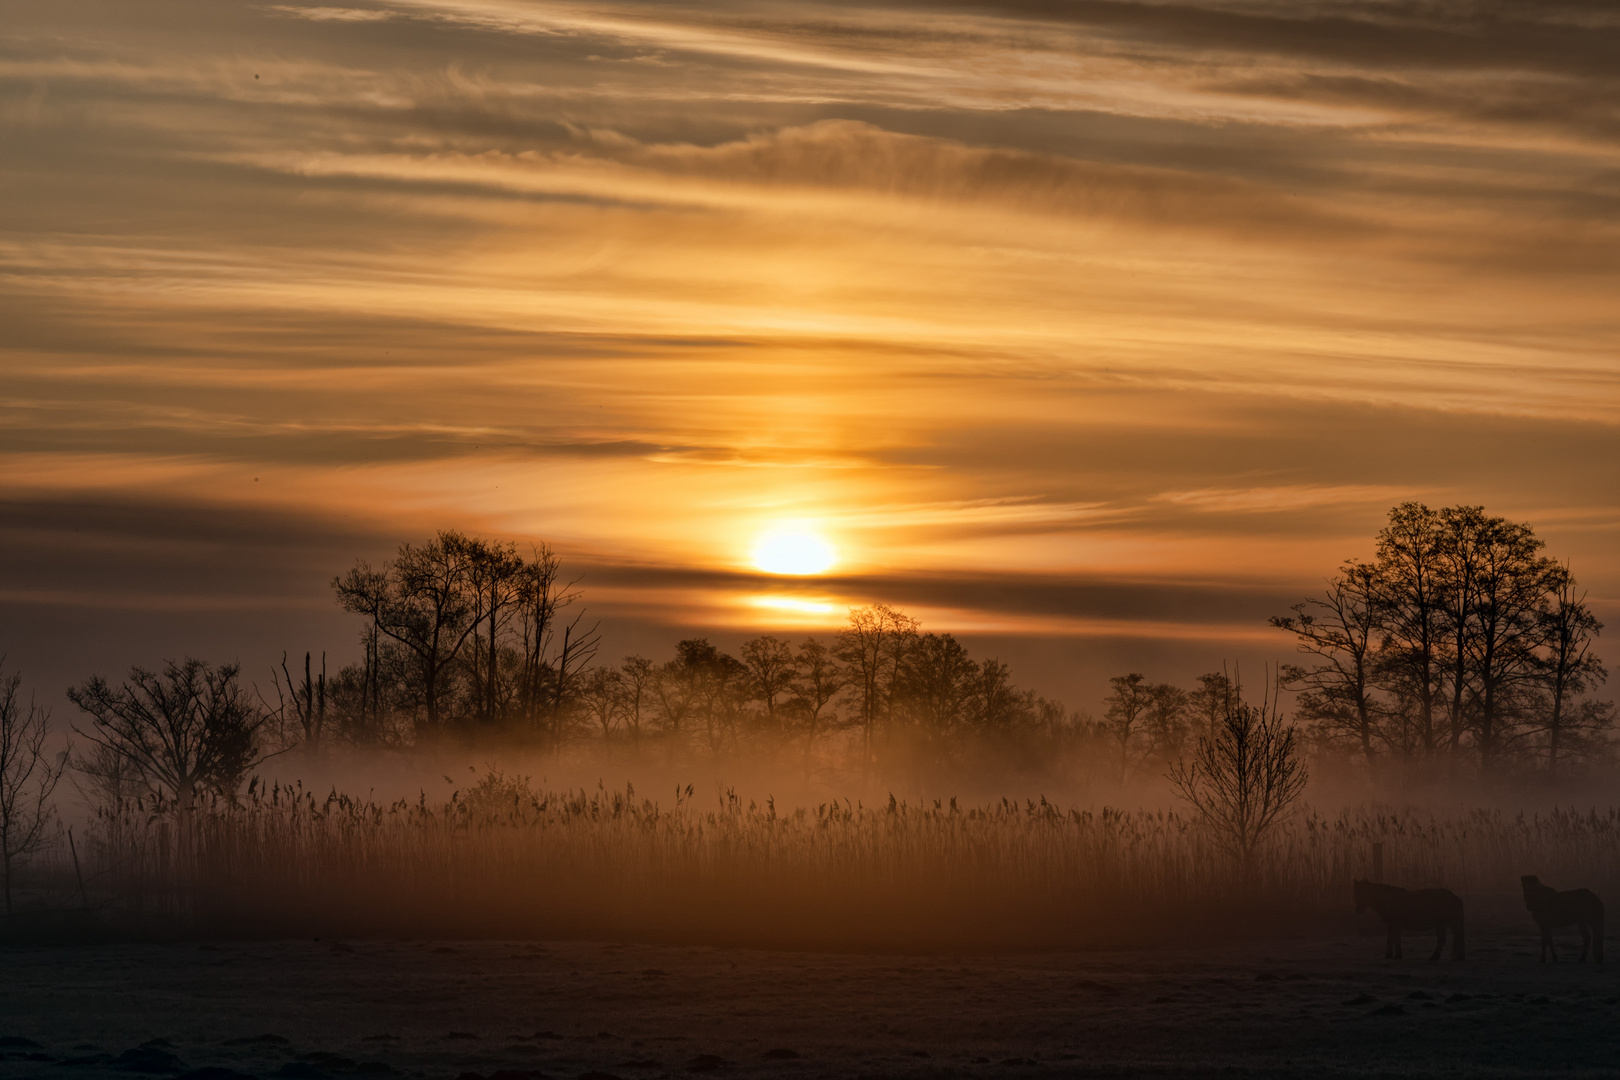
(1460, 644)
(1460, 640)
(1460, 648)
(465, 636)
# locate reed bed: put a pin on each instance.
(506, 860)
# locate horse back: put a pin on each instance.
(1563, 908)
(1441, 905)
(1581, 904)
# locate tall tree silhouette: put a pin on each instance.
(770, 670)
(817, 680)
(1342, 630)
(1464, 530)
(1129, 701)
(1000, 708)
(422, 601)
(638, 677)
(1512, 581)
(934, 688)
(871, 647)
(1410, 597)
(1570, 668)
(496, 580)
(1461, 636)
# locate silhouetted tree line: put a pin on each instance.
(464, 636)
(1460, 640)
(1148, 727)
(461, 633)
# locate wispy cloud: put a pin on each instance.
(1169, 291)
(332, 14)
(1276, 500)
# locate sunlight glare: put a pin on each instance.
(793, 551)
(792, 604)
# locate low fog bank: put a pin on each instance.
(483, 771)
(901, 853)
(1079, 781)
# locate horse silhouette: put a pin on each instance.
(1413, 909)
(1553, 909)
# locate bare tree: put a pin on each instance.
(28, 776)
(1569, 667)
(420, 600)
(1411, 584)
(871, 647)
(817, 679)
(1207, 705)
(497, 581)
(1463, 531)
(188, 730)
(719, 684)
(307, 700)
(105, 777)
(579, 646)
(1243, 778)
(1341, 629)
(542, 596)
(602, 697)
(999, 707)
(639, 676)
(1167, 722)
(1128, 705)
(769, 661)
(934, 688)
(676, 689)
(1512, 581)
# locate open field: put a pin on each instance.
(304, 1010)
(506, 861)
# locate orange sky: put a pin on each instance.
(1105, 325)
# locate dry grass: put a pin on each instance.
(506, 860)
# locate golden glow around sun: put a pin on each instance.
(793, 551)
(793, 605)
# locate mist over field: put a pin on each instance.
(485, 770)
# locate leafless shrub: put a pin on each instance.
(186, 731)
(28, 776)
(1243, 777)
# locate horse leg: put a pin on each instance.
(1586, 941)
(1439, 940)
(1547, 946)
(1457, 950)
(1392, 942)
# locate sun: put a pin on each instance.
(793, 551)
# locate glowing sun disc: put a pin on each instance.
(794, 553)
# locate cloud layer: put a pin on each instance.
(1169, 298)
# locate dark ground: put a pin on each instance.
(306, 1010)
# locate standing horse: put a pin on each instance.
(1553, 909)
(1413, 909)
